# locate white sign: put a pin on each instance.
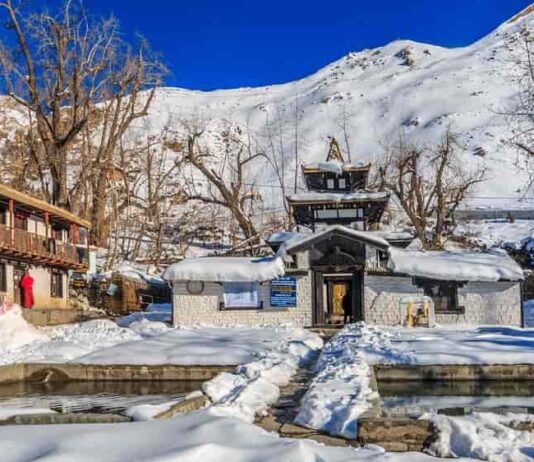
(241, 295)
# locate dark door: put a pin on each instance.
(18, 272)
(329, 291)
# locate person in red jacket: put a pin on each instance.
(26, 286)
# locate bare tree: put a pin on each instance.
(429, 183)
(344, 123)
(226, 175)
(274, 149)
(69, 69)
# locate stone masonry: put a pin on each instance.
(204, 309)
(484, 303)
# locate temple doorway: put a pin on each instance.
(338, 299)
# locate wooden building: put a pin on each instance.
(48, 241)
(337, 193)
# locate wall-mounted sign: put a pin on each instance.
(528, 313)
(241, 295)
(284, 292)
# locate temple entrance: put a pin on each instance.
(338, 298)
(337, 260)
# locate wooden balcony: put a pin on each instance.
(33, 248)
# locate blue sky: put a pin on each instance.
(212, 44)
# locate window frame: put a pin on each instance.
(450, 291)
(3, 276)
(55, 276)
(259, 288)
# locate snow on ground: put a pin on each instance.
(484, 436)
(495, 233)
(141, 341)
(189, 438)
(197, 346)
(340, 392)
(15, 331)
(451, 345)
(155, 312)
(21, 342)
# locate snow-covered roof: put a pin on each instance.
(335, 166)
(392, 235)
(303, 240)
(338, 197)
(455, 265)
(282, 236)
(225, 269)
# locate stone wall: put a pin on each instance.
(484, 303)
(204, 308)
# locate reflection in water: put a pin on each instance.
(95, 396)
(406, 398)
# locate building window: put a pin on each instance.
(444, 295)
(3, 277)
(342, 183)
(329, 183)
(57, 288)
(241, 295)
(21, 220)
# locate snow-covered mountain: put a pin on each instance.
(406, 85)
(416, 88)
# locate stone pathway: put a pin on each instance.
(283, 412)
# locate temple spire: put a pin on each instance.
(334, 152)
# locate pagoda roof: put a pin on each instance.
(338, 198)
(335, 166)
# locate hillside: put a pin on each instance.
(416, 87)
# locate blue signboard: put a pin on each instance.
(284, 292)
(528, 313)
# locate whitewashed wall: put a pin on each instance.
(42, 292)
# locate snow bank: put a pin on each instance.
(255, 386)
(484, 436)
(63, 343)
(455, 265)
(156, 312)
(451, 345)
(341, 391)
(225, 269)
(7, 411)
(199, 436)
(15, 332)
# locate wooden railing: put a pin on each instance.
(31, 246)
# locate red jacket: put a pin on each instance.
(26, 284)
